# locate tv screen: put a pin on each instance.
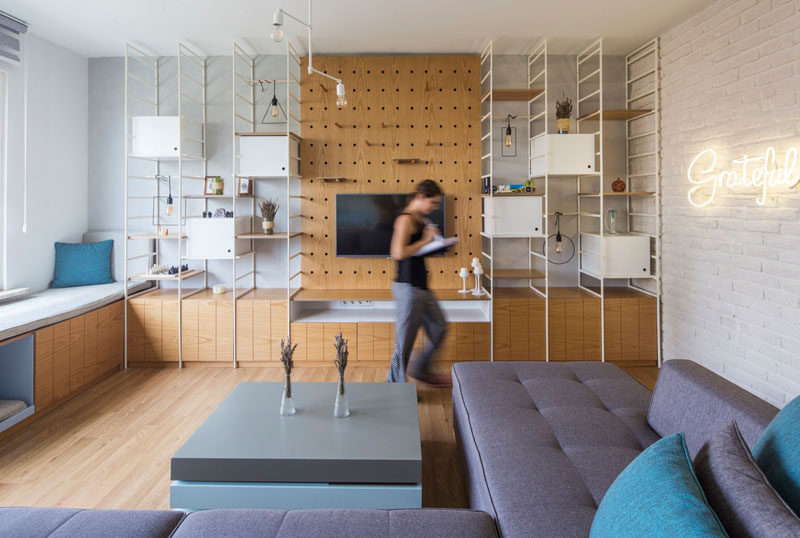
(364, 223)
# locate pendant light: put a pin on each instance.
(170, 204)
(559, 239)
(277, 36)
(274, 103)
(508, 140)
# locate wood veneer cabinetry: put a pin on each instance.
(72, 354)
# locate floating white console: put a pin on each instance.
(562, 154)
(461, 311)
(625, 256)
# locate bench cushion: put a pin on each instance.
(62, 522)
(542, 442)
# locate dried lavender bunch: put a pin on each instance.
(287, 350)
(341, 359)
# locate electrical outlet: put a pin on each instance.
(357, 304)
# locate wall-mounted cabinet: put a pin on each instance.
(623, 255)
(213, 239)
(266, 155)
(514, 216)
(156, 136)
(562, 154)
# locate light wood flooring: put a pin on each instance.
(111, 446)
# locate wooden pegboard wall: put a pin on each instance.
(426, 107)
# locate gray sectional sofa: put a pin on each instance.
(542, 442)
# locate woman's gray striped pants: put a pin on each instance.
(415, 308)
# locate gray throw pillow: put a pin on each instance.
(737, 490)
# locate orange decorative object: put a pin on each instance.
(618, 185)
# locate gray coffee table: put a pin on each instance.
(245, 455)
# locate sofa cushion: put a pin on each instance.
(336, 523)
(82, 264)
(738, 491)
(695, 401)
(778, 453)
(657, 495)
(58, 522)
(542, 442)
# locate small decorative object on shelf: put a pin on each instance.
(477, 269)
(341, 408)
(287, 403)
(220, 213)
(463, 273)
(244, 187)
(157, 269)
(611, 221)
(218, 289)
(563, 113)
(215, 185)
(269, 208)
(618, 185)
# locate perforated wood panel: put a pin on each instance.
(399, 107)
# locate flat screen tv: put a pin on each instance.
(364, 223)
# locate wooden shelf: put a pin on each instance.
(155, 236)
(333, 179)
(280, 133)
(277, 235)
(203, 196)
(410, 160)
(183, 276)
(515, 94)
(615, 115)
(555, 293)
(206, 294)
(169, 158)
(517, 274)
(635, 193)
(512, 194)
(376, 295)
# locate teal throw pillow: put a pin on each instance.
(82, 264)
(657, 495)
(777, 453)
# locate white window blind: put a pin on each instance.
(11, 30)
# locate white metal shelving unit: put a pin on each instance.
(487, 144)
(142, 98)
(643, 142)
(589, 91)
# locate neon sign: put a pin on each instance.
(759, 174)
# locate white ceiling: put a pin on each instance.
(97, 28)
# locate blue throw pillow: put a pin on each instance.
(657, 495)
(82, 264)
(777, 452)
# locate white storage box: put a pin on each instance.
(268, 156)
(625, 256)
(156, 136)
(562, 154)
(513, 216)
(213, 238)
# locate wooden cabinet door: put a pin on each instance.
(189, 331)
(136, 332)
(299, 337)
(558, 328)
(591, 330)
(225, 331)
(629, 329)
(648, 330)
(117, 335)
(279, 326)
(44, 368)
(207, 330)
(537, 330)
(465, 341)
(91, 370)
(244, 330)
(573, 329)
(382, 342)
(61, 335)
(152, 329)
(315, 342)
(261, 330)
(169, 331)
(481, 345)
(366, 350)
(502, 329)
(519, 322)
(612, 327)
(104, 363)
(77, 366)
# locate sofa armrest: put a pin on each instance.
(696, 402)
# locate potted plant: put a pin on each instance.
(269, 208)
(341, 408)
(563, 113)
(287, 403)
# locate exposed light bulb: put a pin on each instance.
(559, 247)
(508, 141)
(277, 23)
(341, 101)
(274, 107)
(170, 207)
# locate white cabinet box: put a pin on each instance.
(156, 136)
(513, 216)
(626, 256)
(562, 154)
(213, 238)
(262, 155)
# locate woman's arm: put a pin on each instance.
(403, 230)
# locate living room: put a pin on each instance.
(276, 268)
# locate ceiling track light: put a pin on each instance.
(277, 35)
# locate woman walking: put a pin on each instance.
(416, 305)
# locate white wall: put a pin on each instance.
(47, 128)
(731, 270)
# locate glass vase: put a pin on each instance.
(287, 403)
(341, 408)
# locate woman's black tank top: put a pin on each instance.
(412, 270)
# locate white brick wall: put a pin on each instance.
(731, 270)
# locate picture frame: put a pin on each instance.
(209, 189)
(244, 186)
